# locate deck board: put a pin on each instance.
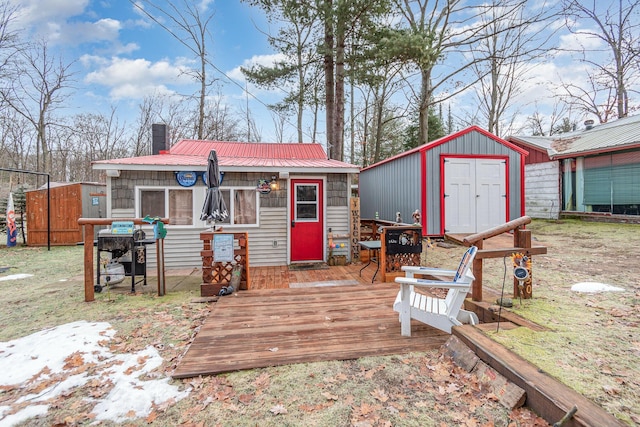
(270, 327)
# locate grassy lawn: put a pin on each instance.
(592, 344)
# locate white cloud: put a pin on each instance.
(204, 4)
(106, 29)
(266, 60)
(135, 78)
(36, 12)
(579, 42)
(138, 9)
(68, 23)
(126, 49)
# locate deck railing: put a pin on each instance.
(521, 244)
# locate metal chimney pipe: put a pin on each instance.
(588, 124)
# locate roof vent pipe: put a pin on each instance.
(588, 124)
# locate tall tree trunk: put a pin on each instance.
(623, 102)
(492, 113)
(203, 92)
(301, 92)
(365, 136)
(329, 81)
(352, 118)
(339, 100)
(425, 98)
(379, 107)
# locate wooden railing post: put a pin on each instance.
(522, 239)
(89, 295)
(476, 288)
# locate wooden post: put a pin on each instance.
(382, 257)
(522, 243)
(354, 226)
(476, 288)
(89, 295)
(522, 239)
(160, 267)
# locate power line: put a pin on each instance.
(255, 97)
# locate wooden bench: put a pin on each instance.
(441, 313)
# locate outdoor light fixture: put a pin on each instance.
(273, 184)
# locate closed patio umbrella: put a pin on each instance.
(214, 208)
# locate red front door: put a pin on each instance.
(307, 223)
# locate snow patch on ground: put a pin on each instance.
(37, 358)
(15, 277)
(595, 287)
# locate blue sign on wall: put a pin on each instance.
(186, 179)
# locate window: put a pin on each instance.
(175, 204)
(181, 207)
(244, 208)
(152, 203)
(306, 202)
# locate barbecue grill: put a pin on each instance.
(127, 247)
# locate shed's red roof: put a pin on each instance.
(447, 138)
(234, 156)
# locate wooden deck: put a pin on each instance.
(272, 324)
(280, 277)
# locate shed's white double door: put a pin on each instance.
(475, 194)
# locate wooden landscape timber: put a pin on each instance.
(546, 396)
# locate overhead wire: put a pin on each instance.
(255, 97)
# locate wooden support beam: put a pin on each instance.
(503, 252)
(496, 231)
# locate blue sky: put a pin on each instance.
(121, 56)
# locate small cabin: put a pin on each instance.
(289, 198)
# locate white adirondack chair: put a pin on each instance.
(441, 313)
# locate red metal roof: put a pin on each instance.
(234, 155)
(447, 138)
(191, 147)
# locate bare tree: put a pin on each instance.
(9, 43)
(434, 31)
(103, 135)
(611, 78)
(559, 120)
(279, 121)
(16, 141)
(36, 91)
(502, 60)
(221, 123)
(141, 133)
(384, 87)
(188, 22)
(296, 39)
